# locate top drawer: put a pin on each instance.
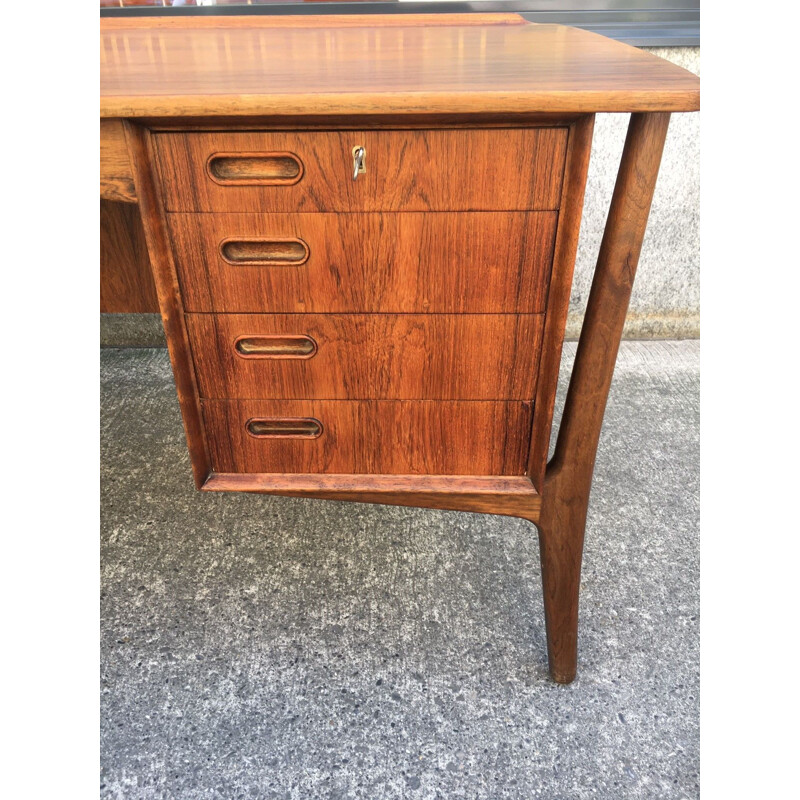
(427, 170)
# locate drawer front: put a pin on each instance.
(368, 437)
(426, 170)
(367, 356)
(482, 262)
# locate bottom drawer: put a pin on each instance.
(384, 437)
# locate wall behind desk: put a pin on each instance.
(665, 303)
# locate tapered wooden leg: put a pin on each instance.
(561, 552)
(568, 479)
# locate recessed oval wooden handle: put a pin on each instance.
(275, 346)
(284, 428)
(265, 169)
(265, 252)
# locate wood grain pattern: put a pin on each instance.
(126, 280)
(345, 65)
(382, 437)
(568, 480)
(510, 495)
(420, 170)
(559, 290)
(372, 356)
(486, 262)
(169, 297)
(116, 175)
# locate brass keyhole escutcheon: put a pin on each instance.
(359, 161)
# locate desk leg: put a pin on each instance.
(568, 479)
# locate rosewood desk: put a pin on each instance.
(362, 232)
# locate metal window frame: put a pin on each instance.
(644, 23)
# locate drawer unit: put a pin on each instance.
(405, 170)
(392, 437)
(447, 262)
(367, 356)
(388, 321)
(407, 301)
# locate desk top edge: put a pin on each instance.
(436, 64)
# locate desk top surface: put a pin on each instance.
(409, 64)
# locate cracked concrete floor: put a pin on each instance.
(259, 647)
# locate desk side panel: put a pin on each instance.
(169, 297)
(569, 223)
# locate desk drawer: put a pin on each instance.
(490, 262)
(372, 437)
(425, 170)
(367, 356)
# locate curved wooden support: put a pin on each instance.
(568, 479)
(509, 495)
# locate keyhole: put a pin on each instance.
(359, 165)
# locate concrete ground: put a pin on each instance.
(258, 647)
